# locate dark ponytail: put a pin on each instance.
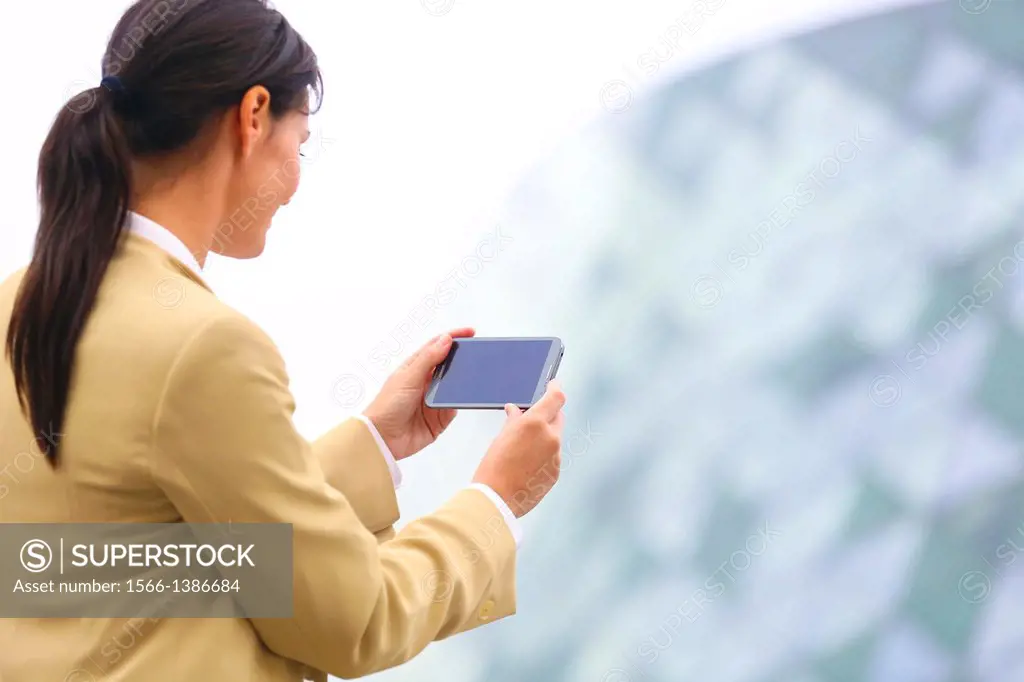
(177, 64)
(84, 187)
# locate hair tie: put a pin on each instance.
(112, 83)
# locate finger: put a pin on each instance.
(548, 407)
(446, 417)
(411, 360)
(430, 356)
(513, 412)
(558, 423)
(458, 333)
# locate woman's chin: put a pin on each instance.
(251, 248)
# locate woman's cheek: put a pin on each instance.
(290, 179)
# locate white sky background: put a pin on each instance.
(434, 110)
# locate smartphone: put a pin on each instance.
(489, 373)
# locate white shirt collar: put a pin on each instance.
(164, 238)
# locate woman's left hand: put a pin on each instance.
(402, 418)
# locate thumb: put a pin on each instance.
(513, 412)
(431, 355)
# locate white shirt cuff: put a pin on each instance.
(396, 473)
(510, 519)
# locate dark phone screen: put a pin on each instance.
(496, 372)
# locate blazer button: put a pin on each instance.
(486, 609)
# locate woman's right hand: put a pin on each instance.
(523, 462)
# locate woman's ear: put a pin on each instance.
(253, 118)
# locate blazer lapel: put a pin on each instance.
(188, 272)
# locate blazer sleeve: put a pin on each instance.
(354, 465)
(225, 449)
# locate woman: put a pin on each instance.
(146, 399)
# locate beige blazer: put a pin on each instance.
(180, 411)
